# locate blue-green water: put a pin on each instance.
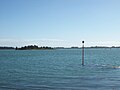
(60, 69)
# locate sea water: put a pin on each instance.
(60, 69)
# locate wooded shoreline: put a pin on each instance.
(35, 47)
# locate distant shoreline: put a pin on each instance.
(34, 47)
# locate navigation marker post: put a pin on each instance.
(82, 53)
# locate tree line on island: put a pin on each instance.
(33, 47)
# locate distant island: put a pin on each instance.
(33, 47)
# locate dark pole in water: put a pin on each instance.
(82, 53)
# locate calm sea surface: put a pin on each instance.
(60, 69)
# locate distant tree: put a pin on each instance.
(16, 48)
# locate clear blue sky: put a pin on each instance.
(59, 22)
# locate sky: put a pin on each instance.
(60, 23)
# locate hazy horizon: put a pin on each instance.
(59, 23)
